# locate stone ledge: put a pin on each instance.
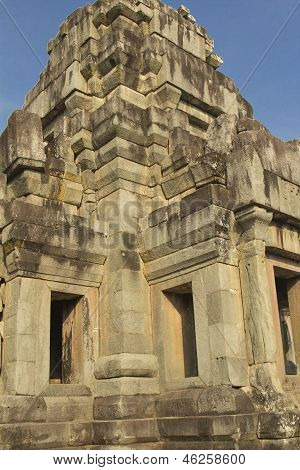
(176, 233)
(209, 428)
(66, 390)
(186, 259)
(205, 432)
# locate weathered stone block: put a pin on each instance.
(126, 365)
(80, 434)
(14, 409)
(279, 425)
(86, 160)
(185, 428)
(125, 432)
(144, 198)
(126, 386)
(81, 141)
(66, 390)
(40, 436)
(69, 408)
(124, 407)
(22, 143)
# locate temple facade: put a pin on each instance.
(149, 250)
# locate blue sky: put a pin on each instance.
(243, 30)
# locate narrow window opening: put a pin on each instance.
(56, 324)
(181, 339)
(65, 339)
(283, 283)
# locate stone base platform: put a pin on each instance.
(198, 433)
(215, 418)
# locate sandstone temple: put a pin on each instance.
(149, 250)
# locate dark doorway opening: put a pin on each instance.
(56, 323)
(65, 339)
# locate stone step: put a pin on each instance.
(206, 432)
(45, 435)
(50, 409)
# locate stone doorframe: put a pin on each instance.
(294, 301)
(27, 334)
(219, 327)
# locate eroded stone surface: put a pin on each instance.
(144, 213)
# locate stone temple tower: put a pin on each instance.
(150, 289)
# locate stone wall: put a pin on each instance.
(136, 184)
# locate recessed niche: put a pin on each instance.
(180, 337)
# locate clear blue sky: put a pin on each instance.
(242, 29)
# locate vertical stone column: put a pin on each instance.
(261, 341)
(294, 302)
(219, 326)
(127, 364)
(26, 299)
(2, 300)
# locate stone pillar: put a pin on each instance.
(2, 299)
(294, 302)
(261, 341)
(126, 365)
(219, 326)
(24, 368)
